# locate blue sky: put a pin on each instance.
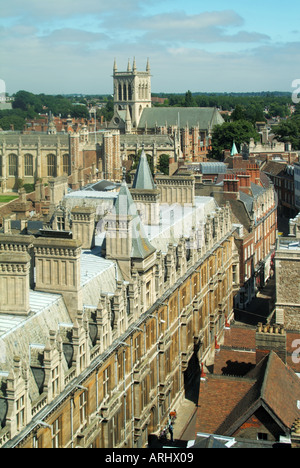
(69, 46)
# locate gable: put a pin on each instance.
(261, 422)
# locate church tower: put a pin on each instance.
(132, 92)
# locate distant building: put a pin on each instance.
(282, 175)
(190, 128)
(253, 206)
(40, 156)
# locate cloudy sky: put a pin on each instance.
(68, 46)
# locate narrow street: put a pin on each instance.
(257, 311)
(261, 306)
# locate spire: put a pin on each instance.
(143, 178)
(148, 66)
(115, 66)
(125, 206)
(124, 203)
(234, 150)
(127, 121)
(129, 66)
(134, 65)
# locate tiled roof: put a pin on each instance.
(218, 397)
(226, 401)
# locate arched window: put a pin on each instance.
(1, 170)
(13, 165)
(129, 93)
(124, 92)
(51, 165)
(66, 164)
(28, 165)
(120, 93)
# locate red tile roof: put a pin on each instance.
(239, 386)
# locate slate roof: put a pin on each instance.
(205, 117)
(143, 179)
(32, 139)
(125, 206)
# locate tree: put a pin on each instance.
(224, 135)
(26, 101)
(163, 165)
(189, 101)
(238, 113)
(288, 131)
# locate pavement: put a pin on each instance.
(260, 307)
(182, 427)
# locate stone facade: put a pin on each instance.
(287, 271)
(132, 93)
(39, 157)
(112, 331)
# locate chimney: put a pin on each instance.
(231, 187)
(14, 282)
(254, 172)
(83, 226)
(57, 262)
(270, 338)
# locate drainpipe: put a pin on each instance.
(125, 407)
(71, 421)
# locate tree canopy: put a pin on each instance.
(223, 136)
(288, 131)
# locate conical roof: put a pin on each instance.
(234, 150)
(125, 206)
(143, 179)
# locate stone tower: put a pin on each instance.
(132, 91)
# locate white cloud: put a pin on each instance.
(69, 46)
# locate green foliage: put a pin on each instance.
(29, 188)
(9, 120)
(189, 101)
(7, 198)
(254, 105)
(108, 111)
(288, 131)
(224, 135)
(163, 165)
